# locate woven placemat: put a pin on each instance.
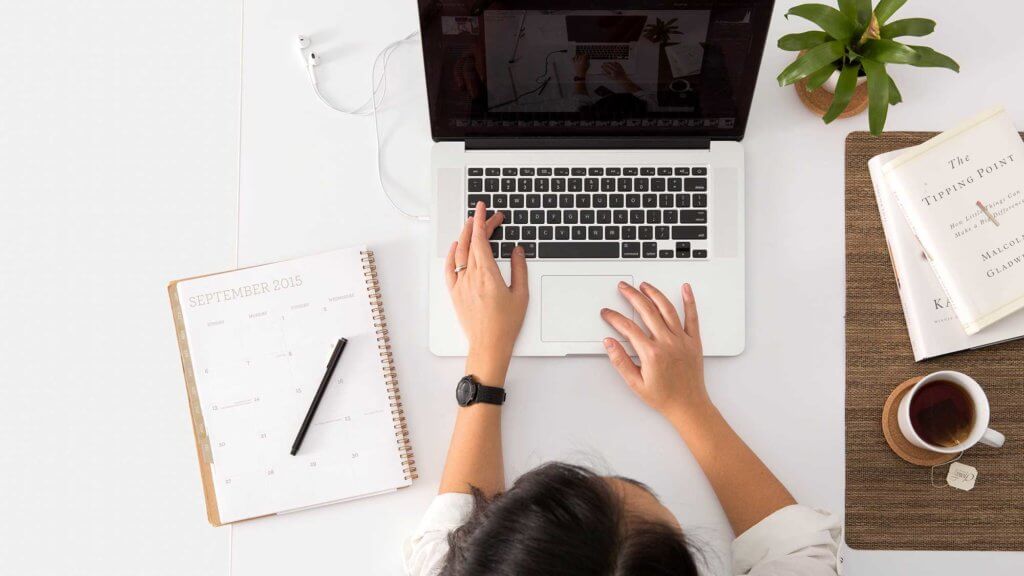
(890, 503)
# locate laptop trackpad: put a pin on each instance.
(571, 307)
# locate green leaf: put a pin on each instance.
(878, 95)
(817, 78)
(928, 58)
(908, 27)
(844, 92)
(803, 41)
(828, 18)
(894, 93)
(889, 51)
(886, 8)
(811, 62)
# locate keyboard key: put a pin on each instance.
(507, 215)
(533, 201)
(650, 249)
(579, 232)
(498, 233)
(693, 216)
(529, 232)
(509, 171)
(654, 216)
(506, 249)
(682, 249)
(700, 171)
(561, 171)
(662, 233)
(554, 217)
(516, 201)
(495, 249)
(595, 171)
(630, 249)
(579, 171)
(682, 171)
(476, 171)
(665, 200)
(666, 254)
(682, 200)
(500, 201)
(492, 171)
(664, 171)
(526, 184)
(641, 184)
(625, 184)
(565, 201)
(570, 217)
(550, 201)
(579, 250)
(689, 232)
(607, 184)
(600, 200)
(472, 199)
(647, 172)
(526, 171)
(633, 201)
(543, 171)
(562, 233)
(620, 216)
(546, 232)
(611, 232)
(586, 217)
(476, 185)
(511, 232)
(675, 184)
(636, 216)
(492, 184)
(700, 253)
(629, 232)
(591, 184)
(616, 200)
(670, 217)
(650, 200)
(613, 171)
(657, 184)
(647, 232)
(529, 249)
(630, 171)
(700, 200)
(575, 184)
(604, 216)
(583, 200)
(558, 184)
(696, 185)
(520, 217)
(541, 185)
(536, 216)
(508, 184)
(595, 233)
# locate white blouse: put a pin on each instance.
(794, 541)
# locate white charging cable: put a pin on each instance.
(369, 107)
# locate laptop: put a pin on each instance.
(629, 175)
(604, 37)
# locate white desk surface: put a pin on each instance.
(119, 128)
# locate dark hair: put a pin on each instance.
(616, 106)
(563, 520)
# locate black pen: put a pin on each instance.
(331, 365)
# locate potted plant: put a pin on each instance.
(855, 43)
(661, 31)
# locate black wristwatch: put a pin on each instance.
(469, 392)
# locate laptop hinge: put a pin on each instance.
(577, 143)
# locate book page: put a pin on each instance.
(260, 339)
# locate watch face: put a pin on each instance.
(465, 392)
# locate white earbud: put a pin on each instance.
(309, 58)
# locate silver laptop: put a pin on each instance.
(634, 176)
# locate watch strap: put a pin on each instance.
(490, 394)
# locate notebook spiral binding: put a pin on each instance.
(380, 323)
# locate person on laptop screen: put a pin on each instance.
(568, 520)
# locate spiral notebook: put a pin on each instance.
(254, 345)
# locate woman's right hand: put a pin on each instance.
(670, 377)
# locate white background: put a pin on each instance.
(129, 157)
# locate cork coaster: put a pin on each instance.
(819, 100)
(899, 444)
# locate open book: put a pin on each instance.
(254, 345)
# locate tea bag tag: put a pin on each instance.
(961, 476)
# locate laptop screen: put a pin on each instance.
(595, 69)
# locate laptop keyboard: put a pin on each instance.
(638, 212)
(603, 51)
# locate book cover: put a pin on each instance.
(961, 193)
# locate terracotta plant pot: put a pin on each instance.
(818, 101)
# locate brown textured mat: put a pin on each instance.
(890, 504)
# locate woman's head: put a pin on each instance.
(566, 520)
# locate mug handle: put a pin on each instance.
(992, 438)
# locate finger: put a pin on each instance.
(691, 322)
(625, 326)
(479, 247)
(519, 284)
(622, 363)
(648, 311)
(492, 223)
(665, 307)
(462, 252)
(449, 266)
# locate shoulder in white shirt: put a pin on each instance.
(794, 541)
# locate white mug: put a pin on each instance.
(980, 432)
